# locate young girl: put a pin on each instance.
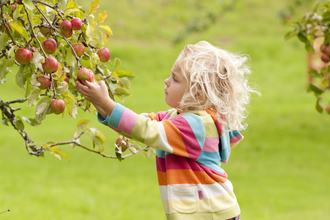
(208, 92)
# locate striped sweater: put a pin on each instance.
(190, 148)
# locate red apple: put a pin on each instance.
(49, 46)
(67, 34)
(33, 49)
(327, 109)
(44, 82)
(325, 58)
(23, 56)
(76, 24)
(327, 50)
(65, 25)
(57, 106)
(66, 79)
(322, 47)
(79, 48)
(14, 7)
(104, 54)
(50, 65)
(84, 73)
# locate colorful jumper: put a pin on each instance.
(189, 147)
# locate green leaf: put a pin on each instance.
(125, 82)
(118, 153)
(20, 79)
(71, 10)
(31, 121)
(42, 108)
(91, 32)
(291, 34)
(5, 121)
(19, 123)
(117, 62)
(70, 58)
(34, 97)
(302, 37)
(94, 60)
(72, 4)
(82, 123)
(20, 29)
(316, 88)
(122, 73)
(29, 5)
(315, 73)
(319, 105)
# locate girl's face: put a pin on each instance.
(175, 87)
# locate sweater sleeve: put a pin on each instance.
(175, 136)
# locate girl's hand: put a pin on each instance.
(97, 94)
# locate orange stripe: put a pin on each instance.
(153, 116)
(180, 176)
(174, 139)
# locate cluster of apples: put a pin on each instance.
(325, 49)
(24, 56)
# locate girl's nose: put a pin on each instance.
(166, 81)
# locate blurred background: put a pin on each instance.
(279, 171)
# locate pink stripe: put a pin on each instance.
(173, 162)
(127, 121)
(236, 139)
(192, 146)
(211, 144)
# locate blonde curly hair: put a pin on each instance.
(216, 80)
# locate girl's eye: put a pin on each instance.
(174, 79)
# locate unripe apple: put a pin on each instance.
(84, 73)
(327, 109)
(50, 65)
(57, 106)
(23, 56)
(104, 54)
(325, 58)
(67, 33)
(79, 48)
(44, 82)
(327, 50)
(49, 46)
(46, 31)
(14, 7)
(76, 24)
(65, 25)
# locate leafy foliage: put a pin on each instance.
(27, 24)
(310, 29)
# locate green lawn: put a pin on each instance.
(279, 171)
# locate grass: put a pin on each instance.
(279, 170)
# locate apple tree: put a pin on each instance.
(54, 45)
(313, 30)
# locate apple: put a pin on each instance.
(327, 109)
(49, 46)
(65, 25)
(327, 50)
(325, 58)
(44, 82)
(67, 33)
(85, 74)
(66, 79)
(76, 24)
(33, 49)
(322, 47)
(104, 54)
(50, 65)
(45, 31)
(57, 106)
(14, 7)
(79, 48)
(23, 56)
